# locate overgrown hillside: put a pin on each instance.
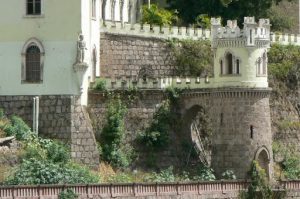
(284, 77)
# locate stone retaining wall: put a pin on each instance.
(125, 55)
(60, 117)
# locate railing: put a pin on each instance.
(123, 190)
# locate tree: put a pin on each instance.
(227, 9)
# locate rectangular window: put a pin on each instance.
(33, 7)
(94, 9)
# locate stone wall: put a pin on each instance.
(139, 116)
(232, 114)
(125, 55)
(60, 117)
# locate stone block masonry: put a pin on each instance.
(123, 55)
(60, 117)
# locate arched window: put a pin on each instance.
(33, 7)
(94, 61)
(32, 62)
(221, 67)
(103, 9)
(113, 8)
(129, 11)
(237, 65)
(229, 63)
(259, 67)
(264, 64)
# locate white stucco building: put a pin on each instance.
(38, 46)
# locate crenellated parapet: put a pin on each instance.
(157, 83)
(146, 30)
(231, 34)
(252, 35)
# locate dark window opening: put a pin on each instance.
(251, 131)
(237, 66)
(33, 7)
(33, 64)
(222, 118)
(229, 63)
(221, 66)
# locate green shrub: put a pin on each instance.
(67, 194)
(100, 85)
(205, 174)
(157, 135)
(259, 187)
(192, 58)
(18, 128)
(34, 171)
(115, 150)
(282, 58)
(228, 175)
(120, 178)
(166, 175)
(157, 16)
(203, 21)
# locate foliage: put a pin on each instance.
(157, 16)
(203, 21)
(205, 173)
(259, 187)
(290, 163)
(166, 175)
(227, 9)
(67, 194)
(36, 171)
(192, 58)
(228, 175)
(18, 128)
(115, 150)
(100, 85)
(157, 135)
(279, 21)
(284, 69)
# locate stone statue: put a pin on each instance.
(81, 47)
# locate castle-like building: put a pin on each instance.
(51, 49)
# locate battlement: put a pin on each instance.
(155, 32)
(252, 33)
(156, 83)
(230, 31)
(249, 20)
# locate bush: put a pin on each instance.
(192, 58)
(114, 149)
(282, 58)
(67, 194)
(157, 16)
(166, 175)
(205, 174)
(34, 171)
(228, 175)
(100, 85)
(157, 135)
(18, 128)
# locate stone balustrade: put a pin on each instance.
(213, 190)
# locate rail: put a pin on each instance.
(137, 189)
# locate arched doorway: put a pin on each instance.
(263, 158)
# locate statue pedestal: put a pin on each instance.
(80, 67)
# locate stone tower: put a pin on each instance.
(241, 99)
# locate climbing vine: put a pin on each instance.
(114, 148)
